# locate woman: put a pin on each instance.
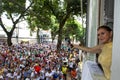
(104, 49)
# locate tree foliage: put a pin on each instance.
(45, 14)
(63, 10)
(13, 6)
(15, 11)
(39, 16)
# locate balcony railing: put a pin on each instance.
(91, 71)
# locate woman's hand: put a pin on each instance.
(77, 45)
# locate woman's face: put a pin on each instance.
(104, 36)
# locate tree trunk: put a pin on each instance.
(60, 37)
(38, 36)
(9, 41)
(62, 23)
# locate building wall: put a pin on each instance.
(115, 75)
(92, 24)
(106, 7)
(108, 12)
(45, 36)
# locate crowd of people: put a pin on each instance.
(37, 62)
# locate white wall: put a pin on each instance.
(92, 24)
(102, 12)
(115, 75)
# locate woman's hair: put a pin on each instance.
(105, 27)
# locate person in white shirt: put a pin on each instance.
(48, 75)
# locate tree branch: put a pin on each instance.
(22, 14)
(2, 25)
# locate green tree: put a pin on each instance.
(62, 10)
(15, 10)
(39, 17)
(39, 13)
(54, 28)
(42, 11)
(73, 29)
